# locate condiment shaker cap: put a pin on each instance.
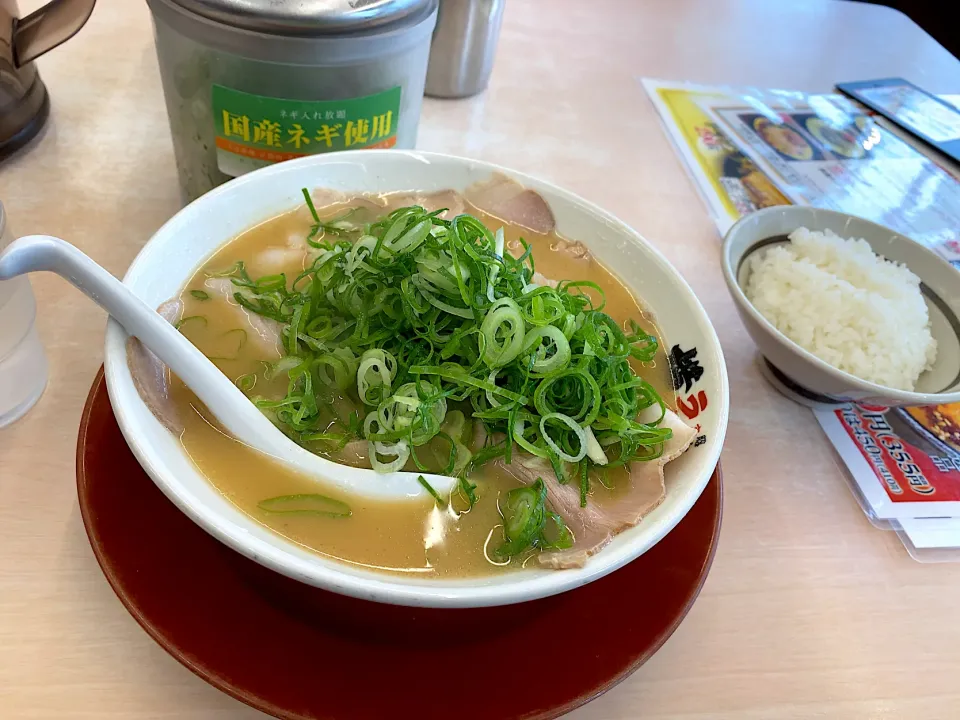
(311, 18)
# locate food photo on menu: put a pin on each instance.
(393, 385)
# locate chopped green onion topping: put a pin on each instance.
(525, 520)
(200, 294)
(411, 317)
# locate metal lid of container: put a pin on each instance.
(311, 17)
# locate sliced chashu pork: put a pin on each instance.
(594, 526)
(377, 205)
(498, 196)
(448, 200)
(151, 377)
(511, 202)
(262, 332)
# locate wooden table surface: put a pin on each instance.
(808, 611)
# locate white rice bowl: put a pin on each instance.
(851, 308)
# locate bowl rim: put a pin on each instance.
(383, 587)
(906, 397)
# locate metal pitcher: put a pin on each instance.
(23, 98)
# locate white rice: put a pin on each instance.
(849, 307)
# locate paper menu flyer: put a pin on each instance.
(824, 151)
(723, 166)
(905, 463)
(927, 533)
(901, 459)
(730, 182)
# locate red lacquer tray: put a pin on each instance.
(294, 651)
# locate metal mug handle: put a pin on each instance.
(49, 26)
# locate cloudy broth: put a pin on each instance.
(410, 537)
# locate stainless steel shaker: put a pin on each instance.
(464, 45)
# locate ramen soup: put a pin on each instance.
(427, 334)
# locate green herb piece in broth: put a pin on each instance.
(430, 489)
(525, 525)
(468, 490)
(200, 294)
(563, 539)
(524, 516)
(305, 504)
(584, 482)
(241, 341)
(309, 201)
(246, 382)
(192, 318)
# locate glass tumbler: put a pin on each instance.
(23, 363)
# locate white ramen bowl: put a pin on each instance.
(185, 242)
